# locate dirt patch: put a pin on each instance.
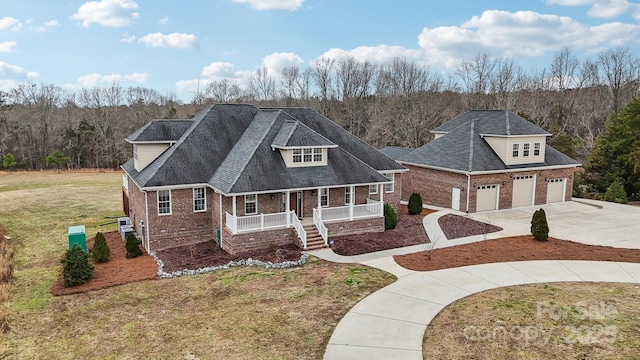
(516, 248)
(117, 271)
(456, 226)
(409, 231)
(207, 254)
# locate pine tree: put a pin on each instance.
(76, 268)
(390, 217)
(415, 204)
(132, 246)
(101, 251)
(615, 192)
(539, 226)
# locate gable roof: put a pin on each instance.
(464, 149)
(494, 122)
(395, 152)
(229, 147)
(295, 134)
(160, 131)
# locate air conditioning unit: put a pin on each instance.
(123, 221)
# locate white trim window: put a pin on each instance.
(250, 204)
(164, 202)
(324, 197)
(306, 155)
(199, 199)
(135, 152)
(516, 150)
(389, 188)
(536, 149)
(373, 189)
(525, 149)
(347, 195)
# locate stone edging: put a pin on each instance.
(248, 262)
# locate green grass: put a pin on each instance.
(243, 312)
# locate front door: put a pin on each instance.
(295, 203)
(455, 199)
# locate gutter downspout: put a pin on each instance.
(146, 212)
(221, 229)
(468, 190)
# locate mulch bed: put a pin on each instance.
(410, 231)
(117, 271)
(516, 248)
(456, 226)
(207, 254)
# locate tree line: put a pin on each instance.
(393, 103)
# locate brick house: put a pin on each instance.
(486, 160)
(249, 177)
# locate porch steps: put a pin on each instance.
(314, 239)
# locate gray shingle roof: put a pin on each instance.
(463, 149)
(161, 130)
(395, 152)
(230, 148)
(295, 134)
(494, 122)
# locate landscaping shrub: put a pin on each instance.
(76, 268)
(415, 204)
(539, 226)
(616, 193)
(101, 251)
(132, 246)
(390, 217)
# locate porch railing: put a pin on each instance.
(317, 221)
(302, 233)
(371, 209)
(256, 222)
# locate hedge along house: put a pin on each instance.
(486, 160)
(251, 177)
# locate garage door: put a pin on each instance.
(523, 190)
(555, 190)
(487, 198)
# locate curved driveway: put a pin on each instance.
(390, 323)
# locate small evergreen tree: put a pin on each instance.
(415, 204)
(8, 161)
(57, 158)
(76, 268)
(615, 192)
(132, 246)
(390, 217)
(101, 251)
(539, 226)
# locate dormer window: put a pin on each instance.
(307, 155)
(536, 149)
(516, 150)
(525, 149)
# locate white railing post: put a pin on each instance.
(261, 222)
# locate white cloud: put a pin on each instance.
(173, 40)
(604, 8)
(216, 71)
(7, 46)
(518, 34)
(164, 20)
(46, 26)
(112, 13)
(95, 79)
(278, 61)
(126, 38)
(375, 54)
(272, 4)
(16, 73)
(9, 23)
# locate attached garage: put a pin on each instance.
(523, 190)
(555, 190)
(487, 198)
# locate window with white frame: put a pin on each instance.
(389, 187)
(347, 195)
(164, 202)
(516, 150)
(536, 149)
(307, 155)
(199, 199)
(250, 204)
(525, 149)
(324, 197)
(135, 152)
(373, 189)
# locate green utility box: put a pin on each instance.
(77, 236)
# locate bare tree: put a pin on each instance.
(476, 75)
(262, 85)
(322, 76)
(619, 69)
(223, 91)
(289, 83)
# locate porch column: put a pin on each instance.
(352, 199)
(233, 202)
(381, 191)
(319, 190)
(287, 206)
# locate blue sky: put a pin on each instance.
(175, 46)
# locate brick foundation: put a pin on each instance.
(256, 240)
(361, 226)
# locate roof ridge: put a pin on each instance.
(471, 136)
(507, 123)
